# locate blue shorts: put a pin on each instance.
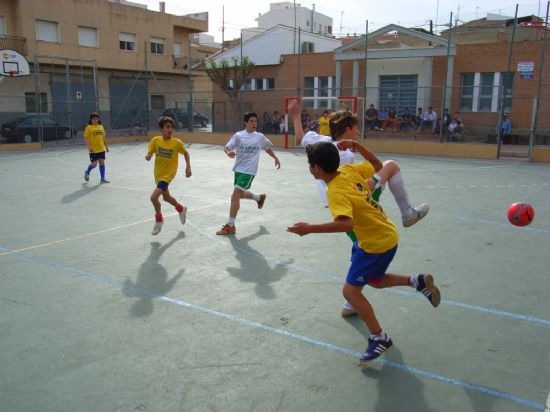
(97, 156)
(162, 185)
(368, 267)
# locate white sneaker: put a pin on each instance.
(347, 310)
(417, 213)
(157, 227)
(183, 215)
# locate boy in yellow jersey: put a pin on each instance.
(355, 210)
(324, 127)
(166, 149)
(94, 135)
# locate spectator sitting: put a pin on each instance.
(428, 119)
(382, 115)
(282, 124)
(456, 132)
(391, 119)
(417, 119)
(506, 126)
(406, 120)
(276, 121)
(445, 120)
(267, 124)
(371, 118)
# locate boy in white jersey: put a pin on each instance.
(345, 125)
(245, 147)
(355, 210)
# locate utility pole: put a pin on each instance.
(223, 26)
(312, 16)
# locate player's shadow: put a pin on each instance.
(398, 389)
(77, 194)
(152, 280)
(254, 266)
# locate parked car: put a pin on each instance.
(27, 129)
(198, 118)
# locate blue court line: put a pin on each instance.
(341, 279)
(257, 325)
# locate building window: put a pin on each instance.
(87, 36)
(47, 31)
(157, 102)
(127, 41)
(480, 92)
(317, 88)
(270, 83)
(467, 92)
(2, 26)
(247, 84)
(308, 47)
(486, 89)
(177, 50)
(31, 105)
(157, 45)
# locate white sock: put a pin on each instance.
(255, 197)
(397, 188)
(379, 336)
(231, 221)
(412, 281)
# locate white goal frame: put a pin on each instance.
(353, 99)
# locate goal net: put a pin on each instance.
(315, 106)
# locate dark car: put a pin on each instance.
(27, 129)
(198, 118)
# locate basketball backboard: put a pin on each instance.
(13, 63)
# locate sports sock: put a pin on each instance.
(412, 281)
(179, 208)
(231, 221)
(379, 336)
(397, 188)
(90, 167)
(102, 171)
(255, 197)
(158, 218)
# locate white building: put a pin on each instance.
(306, 19)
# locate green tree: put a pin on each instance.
(221, 73)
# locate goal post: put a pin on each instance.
(338, 99)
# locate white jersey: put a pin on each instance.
(346, 156)
(248, 146)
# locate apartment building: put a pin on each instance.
(87, 55)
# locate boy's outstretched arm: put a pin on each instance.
(187, 164)
(340, 224)
(366, 153)
(294, 110)
(274, 156)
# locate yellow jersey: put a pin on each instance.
(349, 195)
(95, 136)
(166, 157)
(324, 127)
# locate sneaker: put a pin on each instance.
(418, 212)
(104, 181)
(262, 200)
(183, 215)
(376, 346)
(226, 230)
(157, 227)
(425, 285)
(347, 310)
(86, 176)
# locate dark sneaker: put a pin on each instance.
(261, 201)
(375, 348)
(418, 212)
(104, 181)
(87, 176)
(425, 285)
(226, 230)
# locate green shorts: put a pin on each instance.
(377, 189)
(243, 181)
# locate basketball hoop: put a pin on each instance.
(542, 26)
(11, 73)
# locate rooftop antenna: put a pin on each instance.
(341, 17)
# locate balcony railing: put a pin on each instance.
(19, 44)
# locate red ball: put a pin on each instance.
(521, 214)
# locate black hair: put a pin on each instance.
(92, 115)
(248, 115)
(325, 155)
(166, 119)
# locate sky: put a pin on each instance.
(350, 16)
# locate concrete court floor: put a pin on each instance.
(98, 315)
